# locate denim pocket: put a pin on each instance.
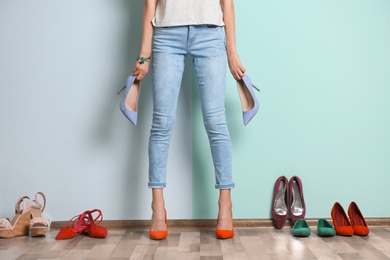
(211, 26)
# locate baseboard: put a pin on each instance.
(205, 223)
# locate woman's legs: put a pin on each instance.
(167, 75)
(210, 61)
(207, 47)
(165, 94)
(169, 50)
(211, 76)
(211, 82)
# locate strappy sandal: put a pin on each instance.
(38, 225)
(19, 225)
(76, 225)
(84, 223)
(94, 229)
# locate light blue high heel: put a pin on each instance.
(129, 103)
(249, 102)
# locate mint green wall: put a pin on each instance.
(324, 72)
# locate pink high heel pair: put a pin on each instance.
(84, 223)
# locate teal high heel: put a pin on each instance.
(129, 103)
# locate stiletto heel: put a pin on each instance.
(358, 222)
(297, 201)
(129, 103)
(340, 221)
(225, 233)
(160, 234)
(249, 102)
(120, 91)
(38, 225)
(19, 225)
(279, 205)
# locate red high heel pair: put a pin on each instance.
(356, 223)
(84, 223)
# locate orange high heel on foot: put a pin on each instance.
(38, 225)
(159, 234)
(224, 233)
(359, 225)
(19, 225)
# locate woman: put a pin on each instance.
(204, 29)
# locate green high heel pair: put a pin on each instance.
(301, 228)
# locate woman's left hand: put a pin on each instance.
(235, 66)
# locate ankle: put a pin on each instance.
(224, 200)
(158, 202)
(225, 205)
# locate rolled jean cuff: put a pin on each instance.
(156, 185)
(224, 186)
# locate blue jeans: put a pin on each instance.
(206, 45)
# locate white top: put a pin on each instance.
(188, 12)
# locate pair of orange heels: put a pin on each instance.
(354, 225)
(162, 234)
(85, 223)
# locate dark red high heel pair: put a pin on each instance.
(85, 223)
(288, 200)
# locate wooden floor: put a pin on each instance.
(200, 243)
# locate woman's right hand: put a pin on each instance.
(141, 70)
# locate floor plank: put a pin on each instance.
(190, 243)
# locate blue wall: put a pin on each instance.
(323, 70)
